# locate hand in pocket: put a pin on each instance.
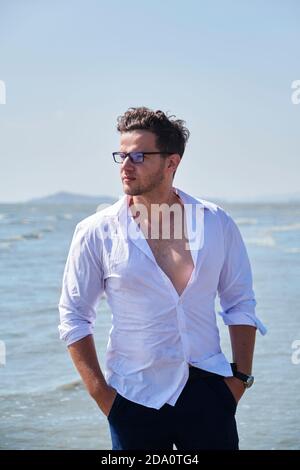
(236, 387)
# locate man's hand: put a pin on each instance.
(105, 400)
(83, 353)
(236, 387)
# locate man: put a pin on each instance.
(161, 255)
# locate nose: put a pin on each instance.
(127, 163)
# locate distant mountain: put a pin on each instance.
(64, 197)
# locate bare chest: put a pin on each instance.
(174, 258)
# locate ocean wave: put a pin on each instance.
(47, 229)
(295, 227)
(40, 311)
(295, 249)
(261, 241)
(32, 236)
(246, 221)
(4, 245)
(25, 236)
(14, 238)
(70, 385)
(24, 221)
(16, 222)
(65, 216)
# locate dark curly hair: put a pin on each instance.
(171, 134)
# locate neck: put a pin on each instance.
(153, 222)
(164, 196)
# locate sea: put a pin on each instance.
(43, 404)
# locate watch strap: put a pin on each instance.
(246, 379)
(241, 376)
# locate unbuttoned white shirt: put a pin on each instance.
(156, 333)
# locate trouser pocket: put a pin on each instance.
(223, 393)
(229, 393)
(115, 406)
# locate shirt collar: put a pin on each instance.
(194, 210)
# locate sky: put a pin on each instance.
(71, 67)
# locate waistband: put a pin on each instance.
(193, 371)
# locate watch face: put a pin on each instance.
(249, 381)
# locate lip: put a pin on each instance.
(126, 179)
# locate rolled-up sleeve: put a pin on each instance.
(235, 283)
(82, 286)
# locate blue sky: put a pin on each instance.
(225, 67)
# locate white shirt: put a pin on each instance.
(156, 333)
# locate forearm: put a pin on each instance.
(242, 344)
(84, 356)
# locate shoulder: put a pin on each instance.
(217, 212)
(214, 214)
(95, 225)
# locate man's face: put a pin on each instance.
(141, 178)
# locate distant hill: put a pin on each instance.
(64, 197)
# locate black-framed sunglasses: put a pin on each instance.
(135, 157)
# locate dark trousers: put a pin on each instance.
(203, 418)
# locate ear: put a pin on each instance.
(174, 161)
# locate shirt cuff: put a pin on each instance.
(243, 318)
(74, 334)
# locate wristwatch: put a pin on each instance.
(247, 380)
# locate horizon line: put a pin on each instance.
(275, 198)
